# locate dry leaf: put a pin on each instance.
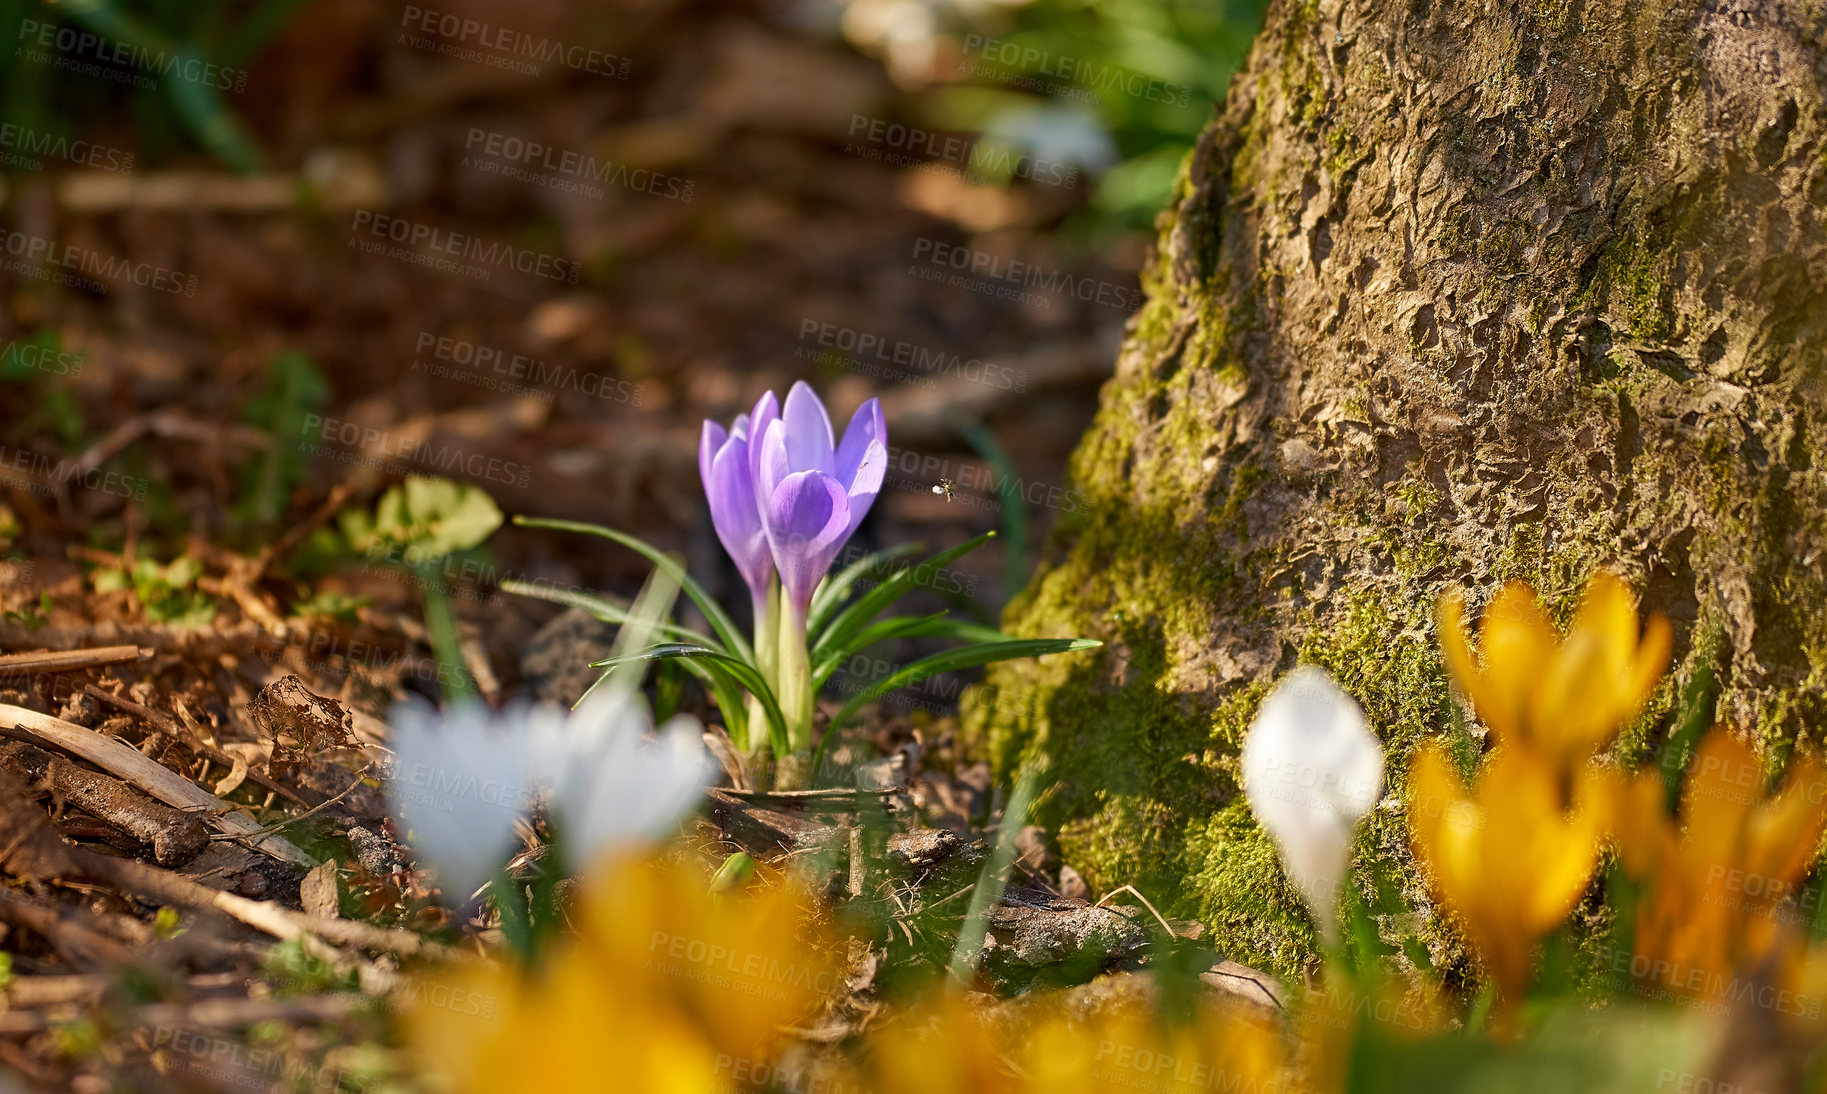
(233, 778)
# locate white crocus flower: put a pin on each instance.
(1311, 769)
(460, 781)
(463, 776)
(615, 787)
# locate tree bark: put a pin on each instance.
(1450, 293)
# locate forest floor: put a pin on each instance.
(310, 360)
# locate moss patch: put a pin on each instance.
(1577, 324)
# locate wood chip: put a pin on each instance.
(318, 892)
(766, 833)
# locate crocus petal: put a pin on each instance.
(808, 521)
(710, 442)
(867, 426)
(771, 464)
(735, 516)
(1639, 824)
(572, 760)
(1722, 786)
(1311, 769)
(460, 782)
(765, 414)
(867, 484)
(810, 446)
(1516, 642)
(1784, 831)
(640, 791)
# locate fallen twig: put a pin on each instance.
(175, 836)
(78, 943)
(1133, 891)
(26, 664)
(263, 915)
(116, 758)
(345, 792)
(227, 1013)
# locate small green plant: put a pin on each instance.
(32, 617)
(330, 604)
(167, 594)
(165, 924)
(415, 526)
(42, 364)
(77, 1039)
(423, 520)
(294, 970)
(294, 391)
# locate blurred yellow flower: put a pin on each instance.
(953, 1045)
(1505, 856)
(1717, 887)
(1565, 698)
(664, 988)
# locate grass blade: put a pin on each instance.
(1014, 506)
(652, 604)
(728, 696)
(716, 661)
(936, 625)
(991, 881)
(195, 101)
(725, 627)
(602, 608)
(830, 595)
(871, 604)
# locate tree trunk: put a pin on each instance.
(1450, 293)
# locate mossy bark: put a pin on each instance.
(1450, 293)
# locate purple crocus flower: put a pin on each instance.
(725, 466)
(812, 490)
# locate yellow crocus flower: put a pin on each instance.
(1564, 698)
(1713, 908)
(1505, 856)
(665, 987)
(952, 1044)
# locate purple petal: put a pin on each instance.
(808, 522)
(809, 443)
(866, 425)
(737, 518)
(772, 464)
(766, 412)
(710, 442)
(740, 427)
(867, 483)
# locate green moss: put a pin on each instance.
(1244, 483)
(1339, 150)
(1162, 560)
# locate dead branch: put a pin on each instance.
(27, 664)
(175, 836)
(116, 758)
